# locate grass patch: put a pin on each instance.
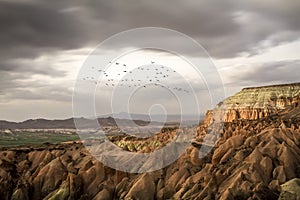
(28, 138)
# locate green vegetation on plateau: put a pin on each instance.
(29, 138)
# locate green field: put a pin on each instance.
(29, 138)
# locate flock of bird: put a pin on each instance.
(143, 76)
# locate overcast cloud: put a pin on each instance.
(43, 43)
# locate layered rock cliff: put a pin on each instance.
(256, 102)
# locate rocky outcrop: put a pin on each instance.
(256, 103)
(290, 190)
(251, 160)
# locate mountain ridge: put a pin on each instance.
(64, 123)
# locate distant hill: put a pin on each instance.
(64, 123)
(155, 117)
(39, 124)
(104, 120)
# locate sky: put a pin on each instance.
(45, 44)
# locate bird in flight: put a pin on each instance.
(153, 75)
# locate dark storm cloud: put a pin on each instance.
(42, 26)
(31, 28)
(35, 24)
(285, 13)
(264, 74)
(225, 28)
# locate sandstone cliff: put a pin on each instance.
(256, 102)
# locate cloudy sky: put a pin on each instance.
(45, 43)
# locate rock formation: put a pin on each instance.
(257, 102)
(251, 159)
(290, 190)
